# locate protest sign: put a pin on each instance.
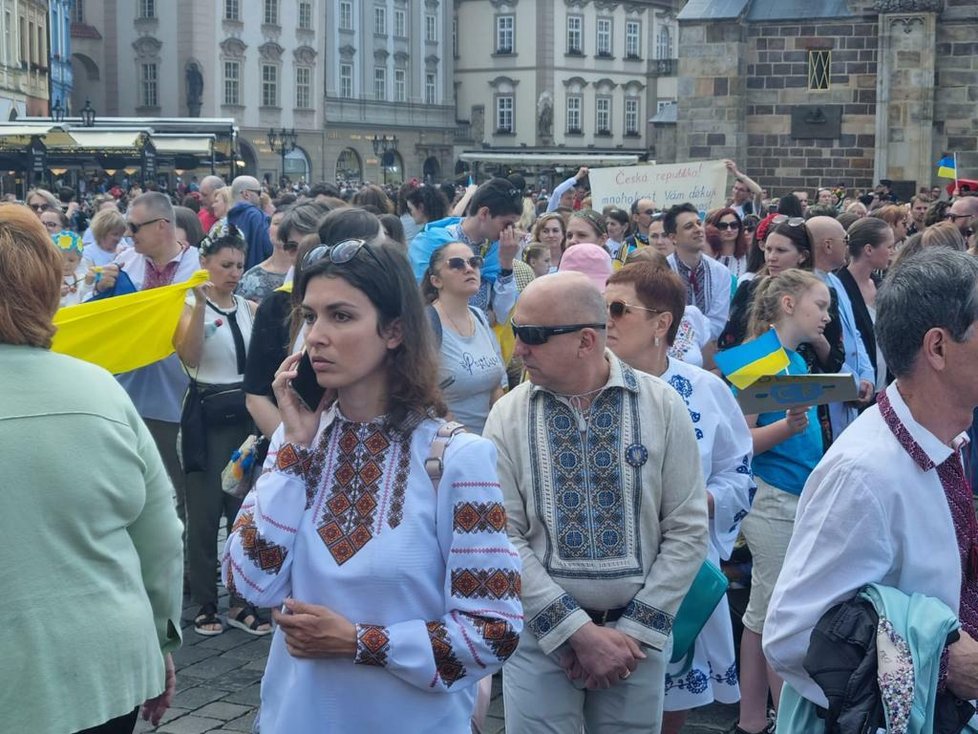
(702, 183)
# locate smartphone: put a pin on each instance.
(306, 386)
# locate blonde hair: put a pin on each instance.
(765, 307)
(224, 194)
(944, 234)
(30, 279)
(107, 222)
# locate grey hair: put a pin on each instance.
(302, 218)
(936, 288)
(156, 204)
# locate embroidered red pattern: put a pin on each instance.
(479, 517)
(373, 645)
(396, 512)
(498, 635)
(348, 515)
(449, 667)
(269, 557)
(488, 583)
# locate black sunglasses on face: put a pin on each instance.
(536, 335)
(136, 226)
(458, 263)
(338, 254)
(724, 226)
(956, 217)
(39, 207)
(617, 309)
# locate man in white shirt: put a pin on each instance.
(607, 507)
(707, 281)
(888, 503)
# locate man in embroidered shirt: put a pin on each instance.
(888, 503)
(707, 281)
(156, 259)
(643, 215)
(606, 504)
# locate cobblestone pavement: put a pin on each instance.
(218, 682)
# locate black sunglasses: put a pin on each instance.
(338, 254)
(617, 309)
(136, 226)
(724, 226)
(39, 207)
(536, 335)
(458, 263)
(956, 217)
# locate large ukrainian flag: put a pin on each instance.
(125, 332)
(746, 364)
(947, 167)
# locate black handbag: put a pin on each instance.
(223, 404)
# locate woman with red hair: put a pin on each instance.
(725, 233)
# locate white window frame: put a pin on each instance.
(633, 39)
(380, 83)
(380, 20)
(346, 81)
(663, 43)
(346, 15)
(147, 9)
(305, 15)
(575, 112)
(270, 11)
(269, 85)
(632, 109)
(400, 85)
(149, 81)
(232, 10)
(303, 87)
(603, 36)
(505, 113)
(602, 114)
(400, 23)
(232, 83)
(430, 28)
(430, 88)
(575, 34)
(505, 34)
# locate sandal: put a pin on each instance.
(240, 620)
(207, 617)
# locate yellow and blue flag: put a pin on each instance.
(125, 332)
(947, 167)
(746, 364)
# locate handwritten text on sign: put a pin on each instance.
(702, 183)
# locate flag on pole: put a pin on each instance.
(947, 167)
(746, 364)
(125, 332)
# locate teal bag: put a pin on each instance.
(707, 590)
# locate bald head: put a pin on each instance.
(242, 186)
(562, 298)
(828, 238)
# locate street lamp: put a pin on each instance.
(88, 115)
(58, 111)
(385, 147)
(282, 142)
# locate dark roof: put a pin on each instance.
(713, 10)
(668, 113)
(763, 10)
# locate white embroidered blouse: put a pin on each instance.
(429, 578)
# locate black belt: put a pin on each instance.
(602, 618)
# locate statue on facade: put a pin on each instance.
(545, 115)
(195, 89)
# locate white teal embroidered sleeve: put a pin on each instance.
(730, 482)
(552, 615)
(482, 624)
(258, 554)
(684, 529)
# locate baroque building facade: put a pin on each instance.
(24, 58)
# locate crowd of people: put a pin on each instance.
(495, 437)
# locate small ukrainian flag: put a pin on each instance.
(746, 364)
(947, 167)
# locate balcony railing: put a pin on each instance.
(664, 67)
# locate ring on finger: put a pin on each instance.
(623, 676)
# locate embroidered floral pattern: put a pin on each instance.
(552, 615)
(895, 676)
(267, 556)
(489, 583)
(449, 667)
(697, 681)
(685, 389)
(499, 635)
(479, 517)
(373, 645)
(396, 512)
(649, 616)
(347, 521)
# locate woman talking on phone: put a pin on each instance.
(396, 596)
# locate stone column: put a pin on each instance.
(905, 89)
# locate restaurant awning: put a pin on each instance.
(102, 139)
(190, 144)
(21, 134)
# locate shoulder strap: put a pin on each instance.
(435, 321)
(479, 316)
(434, 464)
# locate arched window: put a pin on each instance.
(349, 169)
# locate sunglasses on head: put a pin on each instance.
(617, 309)
(536, 335)
(338, 254)
(458, 263)
(724, 226)
(790, 221)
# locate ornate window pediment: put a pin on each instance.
(271, 51)
(305, 54)
(431, 60)
(233, 47)
(605, 84)
(381, 55)
(401, 57)
(575, 84)
(347, 52)
(147, 46)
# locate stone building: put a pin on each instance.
(805, 94)
(571, 79)
(24, 58)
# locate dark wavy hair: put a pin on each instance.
(713, 234)
(385, 277)
(430, 200)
